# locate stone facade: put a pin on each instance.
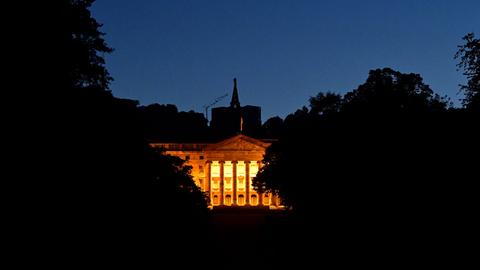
(224, 170)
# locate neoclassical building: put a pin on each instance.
(225, 169)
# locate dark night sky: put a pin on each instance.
(187, 52)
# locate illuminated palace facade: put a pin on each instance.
(224, 170)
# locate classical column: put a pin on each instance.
(208, 181)
(221, 182)
(260, 194)
(247, 182)
(234, 165)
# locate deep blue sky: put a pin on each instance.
(187, 52)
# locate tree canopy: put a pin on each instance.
(337, 130)
(97, 174)
(357, 169)
(387, 91)
(469, 56)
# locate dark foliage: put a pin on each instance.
(387, 172)
(469, 55)
(272, 128)
(382, 173)
(92, 189)
(325, 103)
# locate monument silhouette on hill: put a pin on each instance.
(235, 119)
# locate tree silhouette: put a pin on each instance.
(98, 183)
(469, 55)
(387, 90)
(325, 103)
(389, 101)
(272, 128)
(359, 170)
(85, 68)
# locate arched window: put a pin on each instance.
(253, 199)
(266, 199)
(215, 200)
(228, 199)
(241, 199)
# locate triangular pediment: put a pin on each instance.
(240, 143)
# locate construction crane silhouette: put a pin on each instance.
(215, 101)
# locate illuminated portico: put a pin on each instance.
(225, 170)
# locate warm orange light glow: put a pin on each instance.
(253, 172)
(222, 179)
(227, 176)
(215, 169)
(215, 176)
(215, 200)
(241, 171)
(267, 199)
(254, 200)
(241, 200)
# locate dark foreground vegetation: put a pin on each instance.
(385, 175)
(91, 192)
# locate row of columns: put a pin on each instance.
(234, 179)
